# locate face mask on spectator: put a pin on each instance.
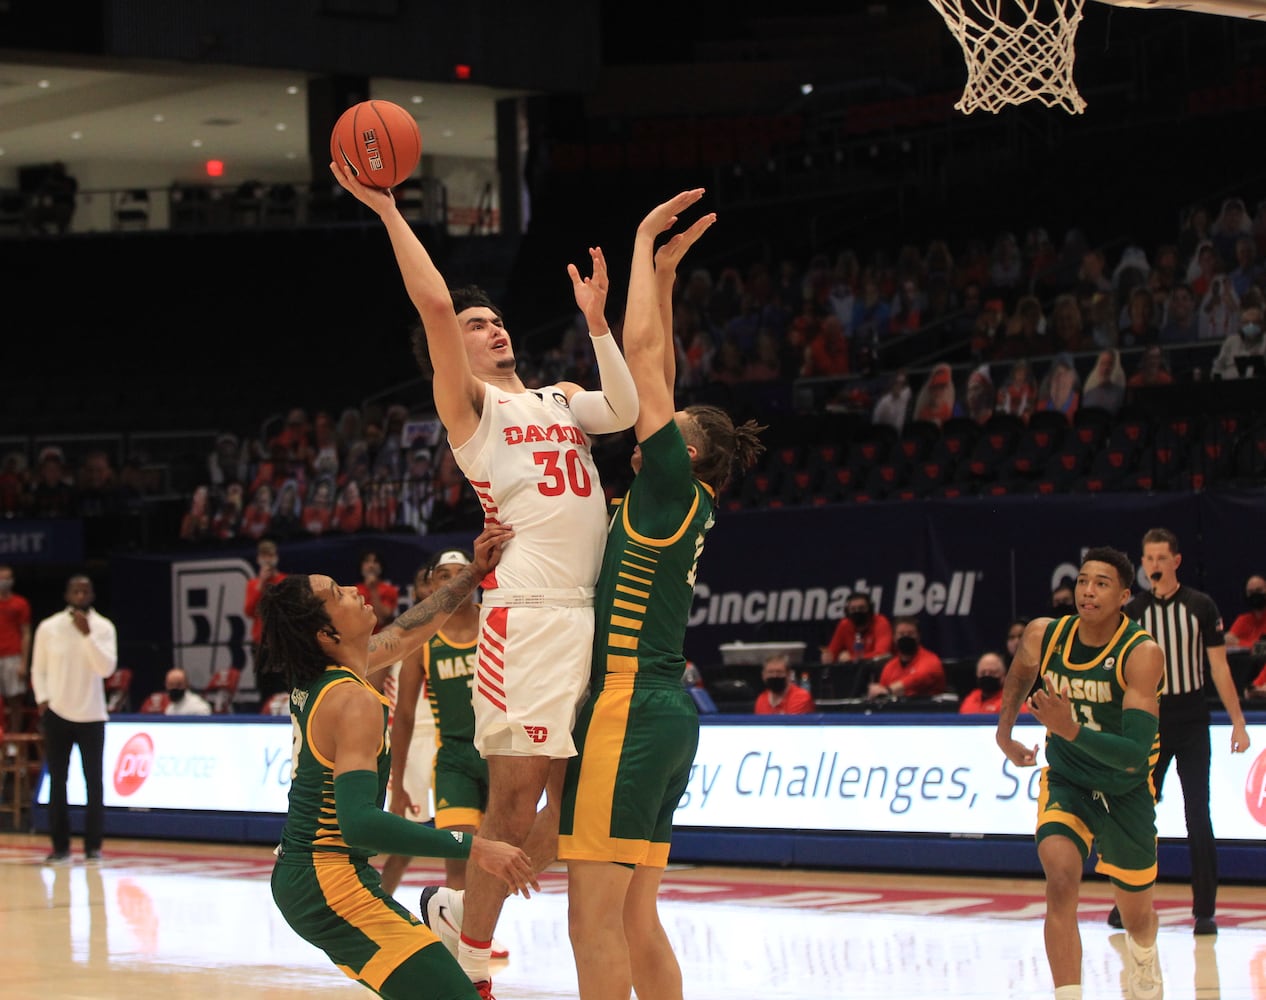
(1251, 331)
(907, 645)
(177, 695)
(989, 684)
(859, 618)
(1256, 600)
(776, 684)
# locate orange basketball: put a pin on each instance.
(379, 140)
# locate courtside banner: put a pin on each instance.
(190, 766)
(861, 778)
(919, 779)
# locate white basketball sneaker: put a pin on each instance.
(1144, 975)
(499, 951)
(441, 910)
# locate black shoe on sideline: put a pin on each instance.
(1205, 925)
(1114, 919)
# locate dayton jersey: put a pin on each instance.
(646, 586)
(311, 822)
(1093, 679)
(450, 675)
(530, 465)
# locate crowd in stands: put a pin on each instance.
(1012, 326)
(316, 475)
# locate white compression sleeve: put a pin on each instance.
(615, 406)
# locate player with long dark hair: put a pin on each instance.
(320, 635)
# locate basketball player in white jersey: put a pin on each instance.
(526, 452)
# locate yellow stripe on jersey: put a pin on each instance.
(659, 543)
(629, 606)
(1137, 638)
(327, 833)
(617, 664)
(636, 579)
(1098, 658)
(312, 711)
(623, 622)
(623, 589)
(622, 641)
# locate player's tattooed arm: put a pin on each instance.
(417, 625)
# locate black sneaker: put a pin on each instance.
(58, 858)
(1114, 919)
(92, 857)
(1205, 925)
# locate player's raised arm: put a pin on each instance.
(417, 625)
(667, 257)
(455, 387)
(614, 407)
(646, 341)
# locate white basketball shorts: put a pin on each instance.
(531, 676)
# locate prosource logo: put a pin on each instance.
(134, 763)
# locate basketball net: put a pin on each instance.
(1016, 51)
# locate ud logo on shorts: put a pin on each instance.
(537, 734)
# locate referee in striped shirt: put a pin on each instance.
(1188, 628)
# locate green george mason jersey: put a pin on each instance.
(311, 821)
(1093, 678)
(646, 586)
(450, 673)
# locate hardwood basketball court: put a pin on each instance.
(160, 920)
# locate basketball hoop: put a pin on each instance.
(1016, 51)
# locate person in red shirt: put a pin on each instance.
(1250, 627)
(915, 672)
(781, 695)
(986, 697)
(266, 557)
(860, 634)
(15, 649)
(381, 594)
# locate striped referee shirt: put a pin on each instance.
(1182, 624)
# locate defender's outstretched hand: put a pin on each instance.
(662, 217)
(670, 254)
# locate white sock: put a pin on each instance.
(474, 961)
(1140, 953)
(1072, 992)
